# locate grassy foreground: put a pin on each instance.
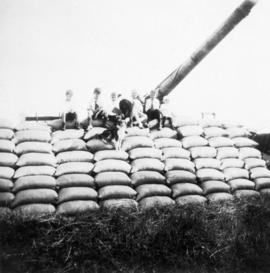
(228, 237)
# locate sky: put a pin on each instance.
(49, 46)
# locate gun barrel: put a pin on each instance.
(167, 85)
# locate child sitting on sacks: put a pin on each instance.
(69, 113)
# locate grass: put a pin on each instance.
(223, 237)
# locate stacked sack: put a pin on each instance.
(209, 162)
(77, 192)
(34, 187)
(7, 163)
(147, 169)
(237, 168)
(184, 180)
(147, 176)
(112, 180)
(93, 141)
(180, 170)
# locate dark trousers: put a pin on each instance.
(164, 119)
(154, 114)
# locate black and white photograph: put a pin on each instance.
(134, 136)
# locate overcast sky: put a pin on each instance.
(49, 46)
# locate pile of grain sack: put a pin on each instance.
(72, 172)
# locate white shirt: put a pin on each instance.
(149, 102)
(165, 110)
(137, 106)
(69, 107)
(111, 106)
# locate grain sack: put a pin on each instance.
(74, 156)
(147, 164)
(237, 132)
(246, 194)
(115, 192)
(259, 172)
(218, 142)
(35, 210)
(147, 177)
(69, 145)
(33, 125)
(137, 142)
(164, 133)
(76, 193)
(6, 172)
(190, 130)
(214, 132)
(227, 152)
(6, 134)
(203, 152)
(6, 146)
(251, 163)
(162, 143)
(32, 135)
(194, 141)
(31, 196)
(67, 134)
(6, 199)
(112, 165)
(123, 203)
(112, 178)
(209, 174)
(34, 182)
(210, 163)
(179, 164)
(56, 124)
(262, 183)
(148, 190)
(33, 147)
(136, 131)
(5, 185)
(36, 159)
(93, 133)
(175, 153)
(190, 199)
(156, 202)
(241, 184)
(174, 177)
(75, 180)
(145, 152)
(249, 152)
(181, 189)
(219, 197)
(8, 159)
(210, 123)
(231, 163)
(214, 186)
(73, 208)
(6, 124)
(34, 170)
(241, 142)
(74, 167)
(95, 145)
(235, 173)
(111, 154)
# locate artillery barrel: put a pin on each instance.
(166, 86)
